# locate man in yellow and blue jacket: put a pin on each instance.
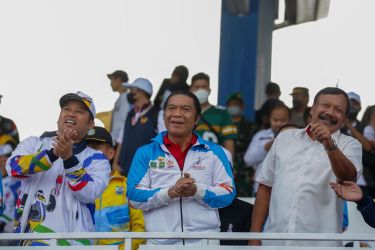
(112, 212)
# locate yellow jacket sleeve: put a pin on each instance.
(137, 224)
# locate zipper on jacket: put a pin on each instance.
(181, 215)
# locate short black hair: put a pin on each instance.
(182, 72)
(280, 105)
(272, 88)
(333, 91)
(200, 76)
(197, 105)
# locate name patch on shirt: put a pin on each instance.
(158, 163)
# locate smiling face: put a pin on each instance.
(329, 110)
(75, 116)
(180, 116)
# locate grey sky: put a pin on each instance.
(49, 48)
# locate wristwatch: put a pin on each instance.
(332, 147)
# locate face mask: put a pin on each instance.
(352, 115)
(234, 110)
(297, 103)
(202, 95)
(131, 98)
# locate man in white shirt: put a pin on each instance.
(122, 106)
(294, 178)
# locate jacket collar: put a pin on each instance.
(199, 143)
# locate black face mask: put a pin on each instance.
(131, 98)
(297, 103)
(352, 114)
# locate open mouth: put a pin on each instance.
(328, 119)
(70, 121)
(177, 122)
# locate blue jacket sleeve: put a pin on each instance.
(367, 208)
(138, 191)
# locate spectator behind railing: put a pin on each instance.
(112, 211)
(8, 127)
(215, 124)
(263, 139)
(180, 180)
(61, 177)
(10, 188)
(243, 174)
(293, 179)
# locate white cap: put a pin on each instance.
(142, 84)
(354, 96)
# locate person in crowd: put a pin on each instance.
(112, 211)
(353, 127)
(180, 180)
(350, 191)
(368, 121)
(262, 116)
(60, 172)
(246, 129)
(215, 124)
(300, 96)
(177, 81)
(10, 188)
(369, 130)
(263, 140)
(293, 179)
(8, 127)
(140, 125)
(122, 107)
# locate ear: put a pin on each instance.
(198, 117)
(111, 153)
(91, 123)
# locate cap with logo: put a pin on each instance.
(119, 74)
(354, 96)
(142, 84)
(99, 134)
(300, 90)
(80, 97)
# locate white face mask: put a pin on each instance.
(234, 110)
(202, 95)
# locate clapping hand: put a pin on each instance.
(63, 144)
(184, 187)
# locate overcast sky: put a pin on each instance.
(49, 48)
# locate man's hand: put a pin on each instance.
(322, 134)
(184, 187)
(63, 145)
(347, 190)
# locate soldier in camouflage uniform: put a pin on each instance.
(243, 174)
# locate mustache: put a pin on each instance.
(325, 117)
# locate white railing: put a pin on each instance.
(128, 236)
